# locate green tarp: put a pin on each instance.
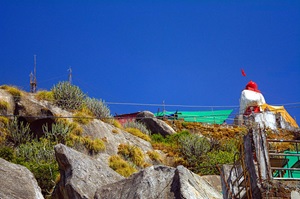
(292, 163)
(211, 117)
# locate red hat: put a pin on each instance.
(252, 86)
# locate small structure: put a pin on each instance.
(129, 117)
(253, 108)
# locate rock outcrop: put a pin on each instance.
(102, 130)
(85, 177)
(80, 174)
(17, 182)
(155, 125)
(158, 182)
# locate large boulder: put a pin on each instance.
(157, 182)
(17, 182)
(155, 125)
(81, 175)
(114, 137)
(144, 114)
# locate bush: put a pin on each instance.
(59, 131)
(132, 153)
(45, 95)
(7, 153)
(193, 148)
(18, 132)
(138, 133)
(38, 157)
(121, 166)
(68, 96)
(157, 138)
(98, 108)
(214, 158)
(137, 125)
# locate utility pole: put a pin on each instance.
(33, 83)
(70, 75)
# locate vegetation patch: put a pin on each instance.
(15, 92)
(121, 166)
(137, 125)
(68, 96)
(138, 133)
(3, 105)
(98, 108)
(81, 118)
(45, 95)
(155, 156)
(196, 152)
(117, 124)
(94, 146)
(18, 132)
(132, 153)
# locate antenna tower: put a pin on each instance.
(33, 83)
(70, 75)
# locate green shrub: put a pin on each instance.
(59, 131)
(18, 132)
(98, 108)
(7, 153)
(137, 125)
(138, 133)
(193, 148)
(38, 157)
(132, 153)
(45, 95)
(37, 151)
(174, 138)
(68, 96)
(121, 166)
(212, 159)
(157, 138)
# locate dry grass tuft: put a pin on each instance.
(138, 133)
(121, 166)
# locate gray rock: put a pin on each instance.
(102, 130)
(214, 181)
(80, 174)
(157, 182)
(144, 114)
(17, 182)
(7, 97)
(157, 126)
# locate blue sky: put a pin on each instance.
(179, 52)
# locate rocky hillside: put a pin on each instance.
(75, 149)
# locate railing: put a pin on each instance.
(280, 162)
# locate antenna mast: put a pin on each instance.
(70, 75)
(33, 83)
